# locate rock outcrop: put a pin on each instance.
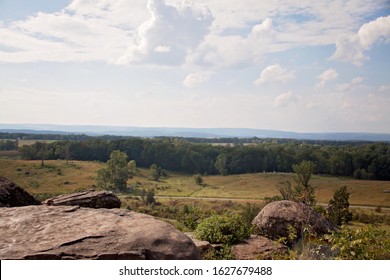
(72, 232)
(275, 219)
(11, 195)
(257, 248)
(90, 199)
(203, 246)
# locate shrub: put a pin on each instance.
(338, 210)
(223, 229)
(198, 179)
(369, 243)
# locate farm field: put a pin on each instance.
(57, 177)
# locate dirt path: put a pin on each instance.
(259, 200)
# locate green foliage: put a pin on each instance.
(191, 216)
(156, 172)
(198, 179)
(8, 145)
(249, 212)
(369, 243)
(115, 175)
(221, 164)
(150, 197)
(338, 209)
(132, 167)
(223, 229)
(300, 190)
(222, 253)
(370, 161)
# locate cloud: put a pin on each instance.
(195, 79)
(285, 99)
(273, 74)
(327, 75)
(356, 82)
(169, 34)
(384, 88)
(351, 48)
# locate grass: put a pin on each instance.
(57, 177)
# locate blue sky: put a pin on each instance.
(306, 66)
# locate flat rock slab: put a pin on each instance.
(11, 195)
(257, 248)
(90, 199)
(71, 232)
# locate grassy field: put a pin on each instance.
(57, 177)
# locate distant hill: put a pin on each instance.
(95, 130)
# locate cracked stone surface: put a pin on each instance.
(72, 232)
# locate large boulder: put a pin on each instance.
(11, 195)
(90, 199)
(72, 232)
(258, 248)
(275, 219)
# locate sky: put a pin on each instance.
(293, 65)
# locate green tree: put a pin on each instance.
(303, 173)
(300, 189)
(132, 166)
(338, 209)
(221, 164)
(154, 172)
(115, 175)
(198, 179)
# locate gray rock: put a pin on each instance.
(257, 248)
(11, 195)
(275, 218)
(203, 246)
(71, 232)
(90, 199)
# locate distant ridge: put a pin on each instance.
(96, 130)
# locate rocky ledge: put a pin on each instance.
(72, 232)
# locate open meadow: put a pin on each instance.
(58, 177)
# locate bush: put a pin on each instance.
(338, 210)
(369, 243)
(198, 179)
(223, 229)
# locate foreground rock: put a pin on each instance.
(275, 219)
(71, 232)
(258, 248)
(11, 195)
(203, 246)
(90, 199)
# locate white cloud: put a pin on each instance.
(327, 75)
(356, 82)
(227, 33)
(274, 73)
(351, 48)
(384, 88)
(195, 79)
(178, 29)
(285, 99)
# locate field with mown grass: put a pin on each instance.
(58, 177)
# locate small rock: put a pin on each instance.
(90, 199)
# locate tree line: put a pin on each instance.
(364, 161)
